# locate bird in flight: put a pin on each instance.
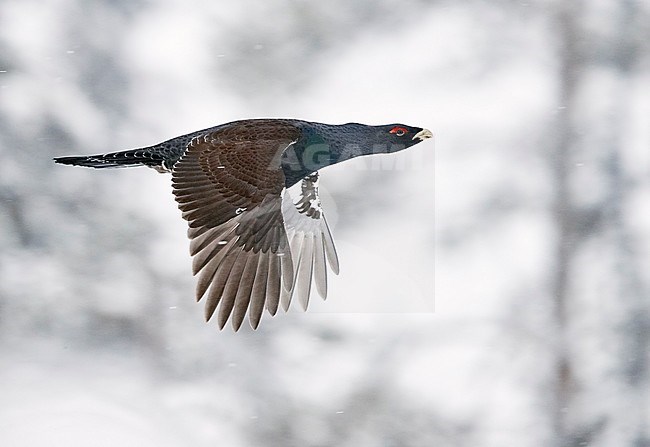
(253, 247)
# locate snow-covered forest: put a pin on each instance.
(495, 282)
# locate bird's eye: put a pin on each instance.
(399, 131)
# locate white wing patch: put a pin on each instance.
(311, 243)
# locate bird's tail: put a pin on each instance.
(124, 159)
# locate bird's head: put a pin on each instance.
(396, 137)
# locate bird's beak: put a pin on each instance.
(423, 134)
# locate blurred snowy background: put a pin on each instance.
(540, 242)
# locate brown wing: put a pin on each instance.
(228, 185)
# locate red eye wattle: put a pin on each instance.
(399, 131)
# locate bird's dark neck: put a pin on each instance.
(324, 145)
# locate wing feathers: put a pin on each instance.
(219, 283)
(330, 249)
(211, 244)
(305, 270)
(287, 292)
(208, 271)
(258, 293)
(252, 248)
(312, 245)
(231, 287)
(243, 296)
(273, 285)
(320, 268)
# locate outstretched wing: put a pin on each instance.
(228, 185)
(311, 243)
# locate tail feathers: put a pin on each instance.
(136, 157)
